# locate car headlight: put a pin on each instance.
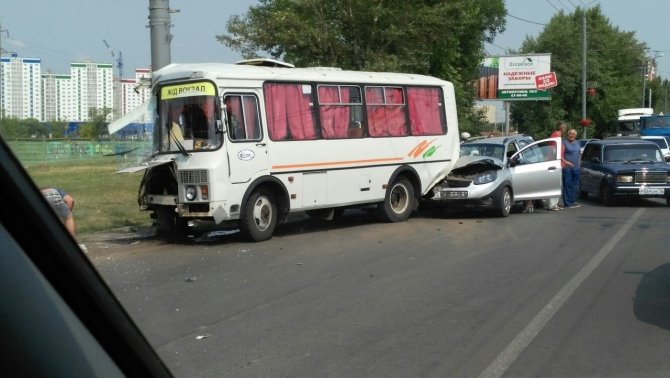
(485, 178)
(191, 193)
(624, 179)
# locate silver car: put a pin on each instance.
(494, 173)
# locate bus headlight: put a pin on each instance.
(191, 193)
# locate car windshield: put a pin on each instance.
(483, 149)
(632, 153)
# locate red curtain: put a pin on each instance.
(386, 114)
(251, 124)
(234, 109)
(289, 112)
(334, 118)
(424, 111)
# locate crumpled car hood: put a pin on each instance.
(475, 164)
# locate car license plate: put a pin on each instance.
(652, 191)
(459, 194)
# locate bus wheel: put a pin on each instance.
(259, 217)
(399, 202)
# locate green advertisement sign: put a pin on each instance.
(523, 94)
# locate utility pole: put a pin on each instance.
(644, 80)
(159, 26)
(584, 70)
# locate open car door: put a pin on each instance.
(536, 170)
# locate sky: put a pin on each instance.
(73, 30)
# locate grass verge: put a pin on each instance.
(103, 200)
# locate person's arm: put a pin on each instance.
(69, 201)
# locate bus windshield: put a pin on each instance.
(188, 118)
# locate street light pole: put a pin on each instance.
(645, 70)
(644, 80)
(584, 69)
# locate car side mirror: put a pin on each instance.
(667, 159)
(514, 161)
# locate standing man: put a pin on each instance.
(552, 203)
(570, 160)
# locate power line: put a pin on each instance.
(524, 20)
(549, 2)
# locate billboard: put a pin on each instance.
(514, 77)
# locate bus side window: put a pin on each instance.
(242, 114)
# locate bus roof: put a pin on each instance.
(633, 113)
(215, 71)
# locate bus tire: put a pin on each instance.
(259, 217)
(398, 203)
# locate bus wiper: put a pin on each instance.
(178, 143)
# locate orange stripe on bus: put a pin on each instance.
(330, 163)
(420, 148)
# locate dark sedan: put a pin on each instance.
(614, 168)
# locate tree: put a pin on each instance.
(97, 126)
(614, 61)
(432, 37)
(10, 128)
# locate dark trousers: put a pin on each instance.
(570, 186)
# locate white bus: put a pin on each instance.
(245, 146)
(628, 120)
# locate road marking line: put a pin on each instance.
(514, 349)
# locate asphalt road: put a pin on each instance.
(581, 292)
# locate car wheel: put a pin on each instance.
(399, 202)
(667, 201)
(504, 202)
(607, 195)
(259, 217)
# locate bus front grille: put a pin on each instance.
(195, 176)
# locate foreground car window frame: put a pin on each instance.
(62, 283)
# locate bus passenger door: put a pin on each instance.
(247, 152)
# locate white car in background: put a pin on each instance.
(662, 142)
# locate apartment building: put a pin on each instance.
(92, 88)
(133, 92)
(20, 89)
(26, 92)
